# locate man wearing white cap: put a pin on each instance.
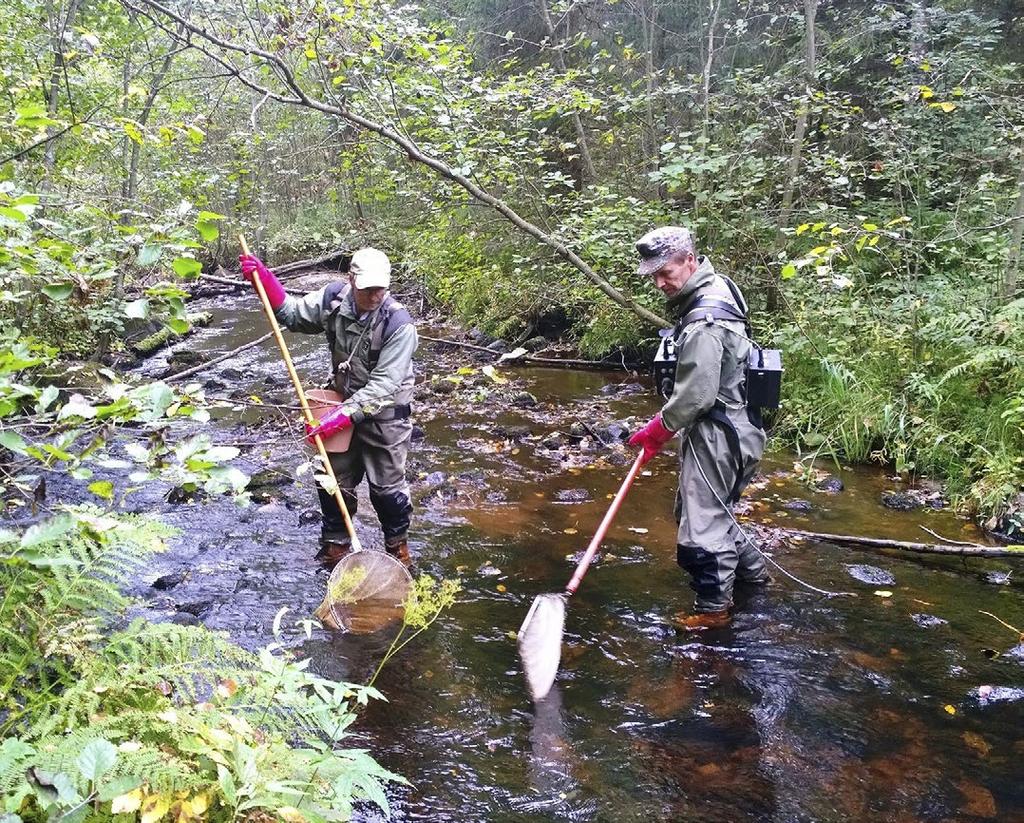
(372, 340)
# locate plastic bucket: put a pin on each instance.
(322, 401)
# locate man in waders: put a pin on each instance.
(721, 439)
(372, 340)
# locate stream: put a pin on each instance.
(889, 705)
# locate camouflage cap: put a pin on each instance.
(658, 246)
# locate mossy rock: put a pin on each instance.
(165, 335)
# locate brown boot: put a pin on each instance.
(702, 620)
(333, 551)
(399, 549)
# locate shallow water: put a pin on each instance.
(805, 708)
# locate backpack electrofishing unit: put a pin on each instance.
(763, 382)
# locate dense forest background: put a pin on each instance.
(858, 167)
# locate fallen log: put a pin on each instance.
(958, 549)
(218, 359)
(513, 358)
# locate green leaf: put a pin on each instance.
(788, 271)
(149, 254)
(47, 531)
(137, 309)
(46, 399)
(97, 758)
(102, 488)
(186, 267)
(16, 215)
(12, 441)
(177, 325)
(58, 291)
(227, 785)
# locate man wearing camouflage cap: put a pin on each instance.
(721, 439)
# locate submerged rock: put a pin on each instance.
(798, 505)
(872, 575)
(169, 581)
(572, 496)
(524, 399)
(901, 501)
(928, 621)
(829, 485)
(998, 578)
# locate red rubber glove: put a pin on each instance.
(252, 266)
(333, 422)
(651, 438)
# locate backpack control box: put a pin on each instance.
(764, 378)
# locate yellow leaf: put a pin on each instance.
(869, 227)
(947, 107)
(925, 92)
(926, 66)
(801, 229)
(255, 399)
(153, 808)
(220, 738)
(949, 709)
(501, 587)
(126, 803)
(200, 803)
(570, 531)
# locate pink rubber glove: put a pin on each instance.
(333, 422)
(651, 438)
(252, 265)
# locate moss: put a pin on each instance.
(165, 336)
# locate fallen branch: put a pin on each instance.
(527, 359)
(967, 549)
(218, 359)
(200, 37)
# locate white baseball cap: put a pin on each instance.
(371, 269)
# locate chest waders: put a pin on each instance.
(387, 320)
(762, 380)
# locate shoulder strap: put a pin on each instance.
(391, 317)
(333, 295)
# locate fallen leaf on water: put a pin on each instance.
(883, 592)
(501, 587)
(570, 531)
(638, 529)
(948, 709)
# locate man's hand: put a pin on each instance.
(651, 438)
(333, 422)
(253, 267)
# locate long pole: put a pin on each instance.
(602, 530)
(306, 413)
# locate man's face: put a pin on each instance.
(671, 277)
(367, 299)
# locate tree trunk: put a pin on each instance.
(796, 152)
(1008, 288)
(589, 173)
(58, 25)
(708, 65)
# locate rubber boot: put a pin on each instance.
(398, 547)
(333, 551)
(702, 620)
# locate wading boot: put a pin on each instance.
(399, 549)
(332, 551)
(702, 620)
